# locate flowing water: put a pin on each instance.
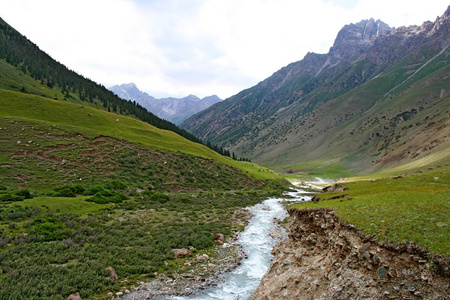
(257, 241)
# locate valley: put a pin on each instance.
(102, 199)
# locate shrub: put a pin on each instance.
(50, 228)
(24, 193)
(78, 189)
(160, 197)
(12, 198)
(116, 185)
(66, 191)
(94, 190)
(185, 200)
(106, 196)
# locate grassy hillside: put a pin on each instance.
(82, 189)
(50, 131)
(367, 130)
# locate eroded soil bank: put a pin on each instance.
(324, 258)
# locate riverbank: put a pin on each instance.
(233, 269)
(196, 273)
(324, 258)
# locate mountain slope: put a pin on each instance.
(55, 81)
(172, 109)
(347, 106)
(47, 143)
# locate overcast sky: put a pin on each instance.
(201, 47)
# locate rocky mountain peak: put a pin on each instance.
(443, 21)
(172, 109)
(129, 91)
(353, 39)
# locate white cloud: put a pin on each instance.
(202, 47)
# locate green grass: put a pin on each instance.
(414, 208)
(15, 80)
(63, 205)
(65, 118)
(325, 168)
(92, 122)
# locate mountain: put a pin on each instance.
(175, 110)
(377, 99)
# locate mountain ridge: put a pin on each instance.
(175, 110)
(267, 122)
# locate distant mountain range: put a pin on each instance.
(379, 98)
(175, 110)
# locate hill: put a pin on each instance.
(175, 110)
(378, 99)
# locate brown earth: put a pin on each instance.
(324, 258)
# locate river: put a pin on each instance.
(257, 240)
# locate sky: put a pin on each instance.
(201, 47)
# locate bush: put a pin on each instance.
(160, 197)
(78, 189)
(50, 228)
(12, 198)
(116, 185)
(185, 200)
(68, 191)
(64, 192)
(94, 190)
(107, 196)
(24, 193)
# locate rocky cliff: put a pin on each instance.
(324, 258)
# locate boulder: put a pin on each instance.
(74, 296)
(181, 253)
(337, 187)
(218, 236)
(315, 199)
(112, 273)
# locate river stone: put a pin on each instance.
(382, 272)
